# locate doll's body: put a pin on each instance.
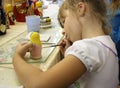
(37, 50)
(10, 14)
(20, 11)
(38, 8)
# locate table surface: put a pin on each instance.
(18, 32)
(7, 48)
(15, 35)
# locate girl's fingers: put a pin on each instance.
(62, 50)
(28, 47)
(23, 43)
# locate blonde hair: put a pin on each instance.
(98, 10)
(62, 14)
(115, 5)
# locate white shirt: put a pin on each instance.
(99, 55)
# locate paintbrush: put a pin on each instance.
(51, 46)
(63, 45)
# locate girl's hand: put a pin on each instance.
(22, 48)
(65, 43)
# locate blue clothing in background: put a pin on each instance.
(115, 34)
(115, 26)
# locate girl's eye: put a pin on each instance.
(63, 23)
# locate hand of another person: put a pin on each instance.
(22, 48)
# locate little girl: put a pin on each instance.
(90, 62)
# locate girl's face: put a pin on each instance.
(72, 27)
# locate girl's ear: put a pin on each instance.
(81, 6)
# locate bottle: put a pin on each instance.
(2, 20)
(36, 51)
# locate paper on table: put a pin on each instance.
(43, 37)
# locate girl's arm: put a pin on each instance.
(60, 75)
